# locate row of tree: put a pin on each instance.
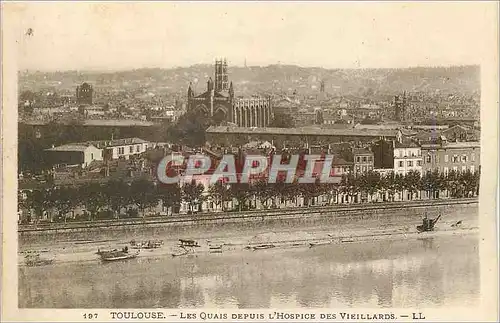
(116, 196)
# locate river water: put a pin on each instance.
(433, 272)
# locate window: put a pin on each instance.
(364, 159)
(455, 168)
(410, 163)
(419, 163)
(358, 168)
(121, 150)
(358, 159)
(445, 170)
(455, 159)
(138, 148)
(364, 169)
(464, 158)
(473, 157)
(92, 156)
(428, 159)
(131, 149)
(464, 168)
(401, 164)
(472, 170)
(445, 158)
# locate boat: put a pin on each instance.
(36, 260)
(181, 252)
(321, 243)
(428, 224)
(262, 246)
(188, 243)
(118, 255)
(150, 244)
(100, 252)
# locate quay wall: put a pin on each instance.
(210, 224)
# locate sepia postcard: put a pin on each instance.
(249, 161)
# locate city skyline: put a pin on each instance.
(101, 37)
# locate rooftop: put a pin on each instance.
(71, 147)
(117, 142)
(454, 145)
(361, 151)
(305, 131)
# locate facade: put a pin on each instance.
(407, 157)
(363, 160)
(446, 156)
(74, 155)
(121, 148)
(84, 94)
(219, 103)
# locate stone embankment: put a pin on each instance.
(365, 215)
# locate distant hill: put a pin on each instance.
(276, 78)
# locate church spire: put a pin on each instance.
(231, 90)
(190, 91)
(210, 85)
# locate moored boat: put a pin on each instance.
(36, 260)
(320, 243)
(262, 246)
(118, 255)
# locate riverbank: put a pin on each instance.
(248, 223)
(227, 240)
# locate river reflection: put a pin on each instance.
(443, 271)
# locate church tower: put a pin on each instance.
(221, 77)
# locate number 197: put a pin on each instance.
(90, 316)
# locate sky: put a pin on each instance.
(128, 35)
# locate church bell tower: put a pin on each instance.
(221, 77)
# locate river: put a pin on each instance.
(434, 272)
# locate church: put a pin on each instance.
(219, 103)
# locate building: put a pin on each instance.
(400, 107)
(407, 157)
(84, 94)
(445, 156)
(79, 154)
(220, 104)
(295, 137)
(363, 160)
(461, 133)
(121, 148)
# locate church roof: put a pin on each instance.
(206, 94)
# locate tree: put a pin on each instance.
(170, 195)
(143, 194)
(399, 184)
(193, 194)
(282, 120)
(65, 199)
(190, 129)
(39, 200)
(370, 183)
(411, 182)
(118, 195)
(453, 183)
(220, 193)
(349, 185)
(241, 192)
(93, 198)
